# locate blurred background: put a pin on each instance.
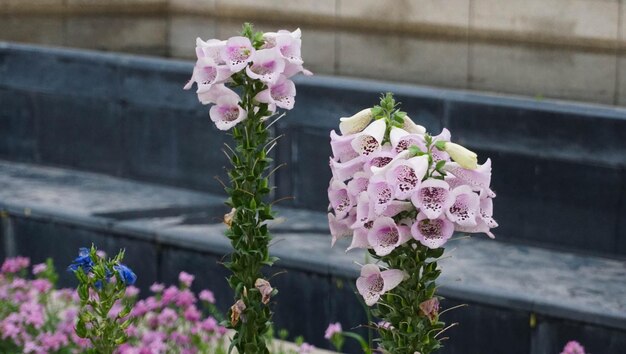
(101, 144)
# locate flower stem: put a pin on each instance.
(248, 233)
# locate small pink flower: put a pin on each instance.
(41, 285)
(373, 283)
(169, 295)
(186, 279)
(39, 268)
(192, 314)
(573, 347)
(209, 325)
(167, 317)
(332, 329)
(185, 298)
(157, 287)
(207, 295)
(306, 348)
(132, 291)
(14, 265)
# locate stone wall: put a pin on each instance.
(589, 23)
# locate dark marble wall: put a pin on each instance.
(559, 167)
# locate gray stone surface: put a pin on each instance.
(557, 284)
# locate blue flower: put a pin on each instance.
(98, 284)
(83, 261)
(127, 275)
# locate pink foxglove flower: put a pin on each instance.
(479, 178)
(267, 65)
(280, 94)
(484, 220)
(385, 235)
(339, 228)
(227, 112)
(406, 175)
(464, 206)
(401, 140)
(206, 73)
(340, 199)
(432, 198)
(370, 139)
(432, 233)
(237, 53)
(341, 146)
(210, 49)
(373, 283)
(381, 194)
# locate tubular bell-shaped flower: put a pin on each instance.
(267, 65)
(227, 112)
(210, 49)
(207, 73)
(237, 53)
(373, 283)
(380, 195)
(341, 145)
(402, 140)
(484, 220)
(340, 200)
(370, 139)
(432, 233)
(479, 178)
(406, 175)
(432, 198)
(464, 206)
(339, 228)
(343, 171)
(385, 235)
(281, 94)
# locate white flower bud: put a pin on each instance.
(356, 123)
(411, 127)
(464, 157)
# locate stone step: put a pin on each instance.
(524, 298)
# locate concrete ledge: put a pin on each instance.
(584, 23)
(51, 211)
